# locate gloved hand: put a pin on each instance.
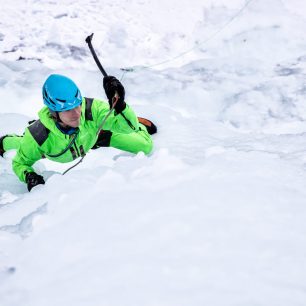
(33, 179)
(111, 86)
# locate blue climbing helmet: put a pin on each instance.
(61, 93)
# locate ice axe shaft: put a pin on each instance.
(92, 50)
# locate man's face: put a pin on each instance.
(71, 117)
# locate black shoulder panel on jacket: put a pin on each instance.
(39, 132)
(88, 113)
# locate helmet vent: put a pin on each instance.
(46, 96)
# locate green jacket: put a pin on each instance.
(43, 138)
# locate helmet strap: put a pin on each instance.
(58, 119)
(55, 116)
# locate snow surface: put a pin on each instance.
(216, 214)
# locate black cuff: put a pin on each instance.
(120, 108)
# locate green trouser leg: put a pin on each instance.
(12, 142)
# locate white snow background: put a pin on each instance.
(216, 214)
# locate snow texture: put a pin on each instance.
(216, 214)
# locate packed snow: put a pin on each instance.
(215, 215)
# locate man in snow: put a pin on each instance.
(68, 127)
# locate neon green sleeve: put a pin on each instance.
(128, 134)
(27, 154)
(125, 122)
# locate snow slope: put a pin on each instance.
(216, 214)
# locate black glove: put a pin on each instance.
(33, 179)
(111, 86)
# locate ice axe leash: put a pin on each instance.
(114, 99)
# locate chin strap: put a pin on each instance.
(58, 119)
(55, 116)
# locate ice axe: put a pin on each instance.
(93, 52)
